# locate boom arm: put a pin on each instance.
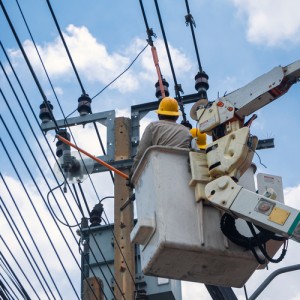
(248, 99)
(231, 153)
(264, 89)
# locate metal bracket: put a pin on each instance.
(106, 118)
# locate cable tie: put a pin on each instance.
(178, 88)
(150, 33)
(189, 20)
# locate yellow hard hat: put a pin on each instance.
(200, 137)
(169, 107)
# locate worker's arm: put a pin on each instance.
(145, 143)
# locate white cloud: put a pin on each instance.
(271, 22)
(180, 61)
(94, 62)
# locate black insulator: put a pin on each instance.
(95, 215)
(84, 105)
(61, 146)
(187, 124)
(46, 112)
(158, 91)
(201, 84)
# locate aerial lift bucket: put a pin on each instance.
(180, 238)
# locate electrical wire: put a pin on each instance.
(58, 227)
(19, 285)
(39, 55)
(122, 72)
(17, 39)
(65, 45)
(20, 268)
(8, 273)
(54, 219)
(150, 33)
(22, 238)
(190, 21)
(36, 120)
(71, 60)
(108, 197)
(28, 63)
(77, 200)
(3, 287)
(39, 126)
(35, 210)
(52, 211)
(73, 65)
(177, 86)
(84, 199)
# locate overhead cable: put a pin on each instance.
(36, 120)
(46, 205)
(122, 72)
(190, 21)
(28, 63)
(40, 146)
(6, 214)
(65, 45)
(52, 211)
(73, 65)
(40, 58)
(178, 88)
(70, 57)
(28, 122)
(35, 210)
(23, 53)
(20, 268)
(150, 33)
(201, 77)
(4, 290)
(41, 171)
(19, 284)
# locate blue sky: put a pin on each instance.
(238, 41)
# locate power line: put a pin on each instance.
(66, 47)
(46, 141)
(178, 88)
(52, 211)
(150, 33)
(18, 284)
(73, 65)
(21, 236)
(122, 72)
(28, 62)
(190, 21)
(3, 288)
(20, 268)
(37, 122)
(38, 188)
(33, 206)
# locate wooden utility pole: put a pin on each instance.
(124, 262)
(93, 289)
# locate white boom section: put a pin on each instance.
(264, 89)
(248, 99)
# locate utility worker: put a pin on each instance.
(165, 131)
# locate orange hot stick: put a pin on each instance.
(155, 59)
(98, 160)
